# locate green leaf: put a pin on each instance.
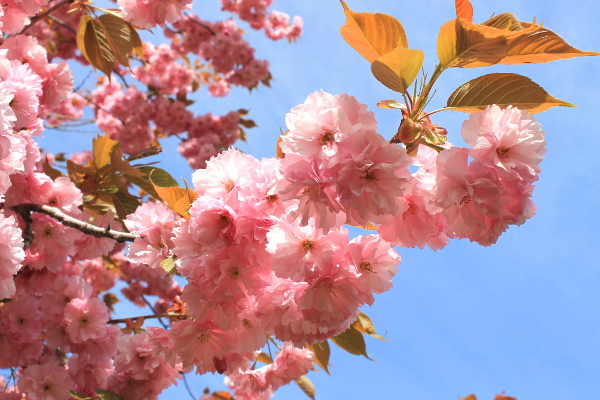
(107, 394)
(372, 35)
(124, 203)
(78, 396)
(504, 90)
(399, 68)
(352, 341)
(467, 45)
(168, 265)
(307, 386)
(322, 353)
(160, 177)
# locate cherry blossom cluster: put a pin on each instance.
(276, 24)
(451, 196)
(222, 45)
(265, 250)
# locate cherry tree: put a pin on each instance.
(251, 263)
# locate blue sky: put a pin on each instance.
(522, 315)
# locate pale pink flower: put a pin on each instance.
(375, 264)
(155, 223)
(86, 319)
(47, 381)
(507, 139)
(26, 87)
(11, 254)
(147, 14)
(7, 115)
(290, 364)
(223, 173)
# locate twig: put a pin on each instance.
(125, 320)
(63, 24)
(208, 28)
(44, 14)
(25, 211)
(187, 386)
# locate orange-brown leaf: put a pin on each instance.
(352, 341)
(102, 149)
(469, 397)
(177, 199)
(502, 89)
(505, 21)
(466, 45)
(540, 45)
(398, 68)
(307, 386)
(464, 10)
(322, 353)
(372, 35)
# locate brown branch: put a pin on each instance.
(89, 229)
(127, 320)
(63, 24)
(45, 14)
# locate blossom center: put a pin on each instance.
(307, 245)
(326, 137)
(366, 266)
(503, 152)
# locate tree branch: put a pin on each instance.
(89, 229)
(44, 14)
(165, 315)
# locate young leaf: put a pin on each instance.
(168, 265)
(363, 324)
(504, 21)
(307, 386)
(541, 45)
(464, 10)
(119, 35)
(177, 199)
(107, 394)
(398, 68)
(504, 90)
(464, 44)
(322, 353)
(391, 105)
(78, 396)
(352, 341)
(264, 358)
(102, 149)
(160, 177)
(95, 45)
(372, 35)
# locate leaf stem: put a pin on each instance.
(433, 146)
(427, 90)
